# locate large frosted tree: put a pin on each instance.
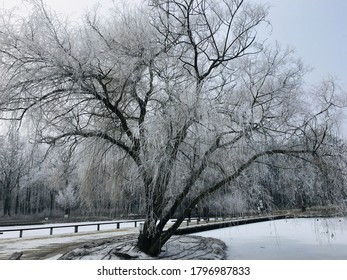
(181, 89)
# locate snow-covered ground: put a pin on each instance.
(290, 239)
(63, 239)
(53, 247)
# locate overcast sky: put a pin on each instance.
(316, 29)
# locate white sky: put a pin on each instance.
(317, 29)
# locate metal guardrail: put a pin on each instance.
(97, 224)
(226, 222)
(75, 226)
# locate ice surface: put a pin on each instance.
(290, 239)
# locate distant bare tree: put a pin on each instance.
(14, 165)
(183, 88)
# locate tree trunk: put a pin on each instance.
(28, 201)
(7, 205)
(16, 207)
(151, 240)
(51, 203)
(149, 243)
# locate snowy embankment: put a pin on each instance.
(177, 248)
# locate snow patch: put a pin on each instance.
(124, 247)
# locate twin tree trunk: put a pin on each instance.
(150, 241)
(153, 236)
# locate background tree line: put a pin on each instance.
(37, 184)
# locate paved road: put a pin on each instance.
(52, 247)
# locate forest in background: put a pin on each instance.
(36, 183)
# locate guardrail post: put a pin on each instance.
(118, 225)
(21, 233)
(135, 223)
(98, 227)
(51, 231)
(76, 229)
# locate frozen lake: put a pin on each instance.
(292, 239)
